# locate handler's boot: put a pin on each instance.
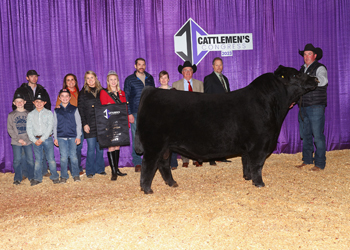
(112, 164)
(116, 162)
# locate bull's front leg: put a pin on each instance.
(252, 168)
(148, 171)
(257, 177)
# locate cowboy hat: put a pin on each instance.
(310, 47)
(187, 64)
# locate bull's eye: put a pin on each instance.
(293, 75)
(282, 76)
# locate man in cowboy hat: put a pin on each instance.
(311, 110)
(188, 84)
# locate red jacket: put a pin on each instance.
(106, 99)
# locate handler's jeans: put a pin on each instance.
(94, 161)
(79, 148)
(311, 124)
(68, 148)
(136, 159)
(18, 164)
(47, 145)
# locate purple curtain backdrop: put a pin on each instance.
(60, 37)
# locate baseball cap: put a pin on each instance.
(32, 72)
(39, 96)
(18, 96)
(64, 91)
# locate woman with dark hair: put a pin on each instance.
(113, 94)
(88, 98)
(70, 82)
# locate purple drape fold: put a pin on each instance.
(60, 37)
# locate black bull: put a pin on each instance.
(245, 123)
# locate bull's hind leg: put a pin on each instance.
(164, 169)
(148, 171)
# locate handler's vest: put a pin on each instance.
(317, 96)
(66, 125)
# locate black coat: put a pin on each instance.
(86, 105)
(28, 95)
(213, 85)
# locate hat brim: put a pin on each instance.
(194, 68)
(317, 51)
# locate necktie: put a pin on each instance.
(189, 86)
(223, 83)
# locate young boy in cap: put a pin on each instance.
(67, 133)
(39, 130)
(16, 127)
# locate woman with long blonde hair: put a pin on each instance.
(88, 98)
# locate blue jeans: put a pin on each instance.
(94, 161)
(311, 124)
(136, 159)
(68, 148)
(24, 165)
(173, 160)
(47, 145)
(18, 165)
(79, 148)
(44, 167)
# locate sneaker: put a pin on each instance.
(90, 176)
(76, 178)
(81, 173)
(56, 181)
(34, 182)
(103, 173)
(63, 180)
(16, 182)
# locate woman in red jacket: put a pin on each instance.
(112, 95)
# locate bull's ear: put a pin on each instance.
(279, 70)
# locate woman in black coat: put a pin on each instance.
(88, 98)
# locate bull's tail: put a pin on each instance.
(137, 144)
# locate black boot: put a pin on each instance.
(116, 162)
(112, 164)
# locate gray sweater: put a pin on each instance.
(16, 127)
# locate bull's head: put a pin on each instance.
(291, 76)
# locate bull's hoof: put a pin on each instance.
(262, 184)
(149, 191)
(172, 185)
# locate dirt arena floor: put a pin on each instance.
(213, 208)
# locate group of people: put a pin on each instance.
(31, 124)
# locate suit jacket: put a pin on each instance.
(213, 85)
(197, 85)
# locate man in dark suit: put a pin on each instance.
(216, 83)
